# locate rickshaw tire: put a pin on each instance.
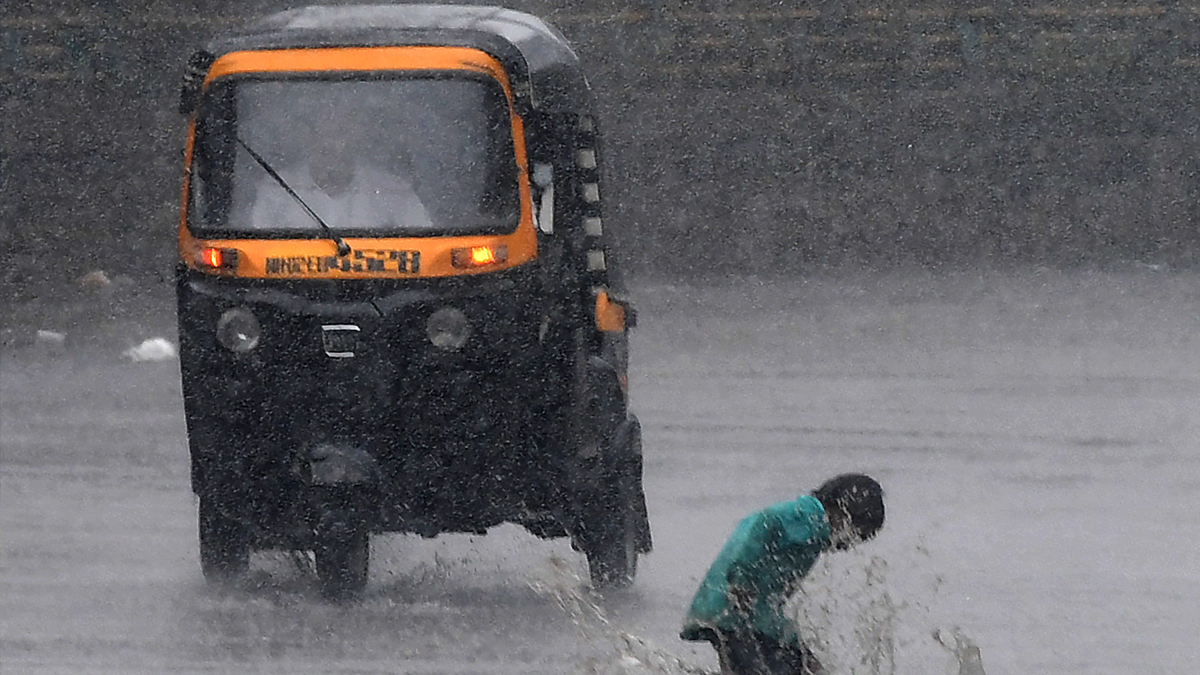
(618, 531)
(612, 551)
(224, 543)
(637, 493)
(342, 564)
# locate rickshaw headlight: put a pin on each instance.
(448, 328)
(238, 330)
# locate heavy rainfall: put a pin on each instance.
(951, 245)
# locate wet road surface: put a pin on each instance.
(1038, 436)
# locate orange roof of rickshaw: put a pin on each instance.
(545, 71)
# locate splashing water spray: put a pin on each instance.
(846, 610)
(964, 650)
(630, 655)
(862, 616)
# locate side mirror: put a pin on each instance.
(193, 80)
(543, 178)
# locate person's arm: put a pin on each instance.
(741, 598)
(742, 578)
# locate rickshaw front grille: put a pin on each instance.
(395, 377)
(456, 434)
(431, 417)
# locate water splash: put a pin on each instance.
(848, 616)
(862, 614)
(965, 651)
(626, 654)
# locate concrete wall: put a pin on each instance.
(741, 135)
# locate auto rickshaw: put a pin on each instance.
(397, 309)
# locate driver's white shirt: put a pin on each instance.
(373, 199)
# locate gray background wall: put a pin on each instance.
(741, 136)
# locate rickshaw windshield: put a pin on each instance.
(372, 156)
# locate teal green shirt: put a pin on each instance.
(764, 559)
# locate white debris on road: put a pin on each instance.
(153, 349)
(50, 338)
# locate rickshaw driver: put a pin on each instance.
(341, 187)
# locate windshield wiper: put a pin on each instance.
(343, 249)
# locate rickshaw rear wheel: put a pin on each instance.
(224, 543)
(612, 555)
(342, 563)
(618, 527)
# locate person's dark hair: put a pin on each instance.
(858, 496)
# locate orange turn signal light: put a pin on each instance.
(217, 258)
(470, 257)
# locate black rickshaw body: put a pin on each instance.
(353, 364)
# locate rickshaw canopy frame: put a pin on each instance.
(544, 71)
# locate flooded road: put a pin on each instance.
(1038, 436)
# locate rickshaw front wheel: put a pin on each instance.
(224, 544)
(342, 563)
